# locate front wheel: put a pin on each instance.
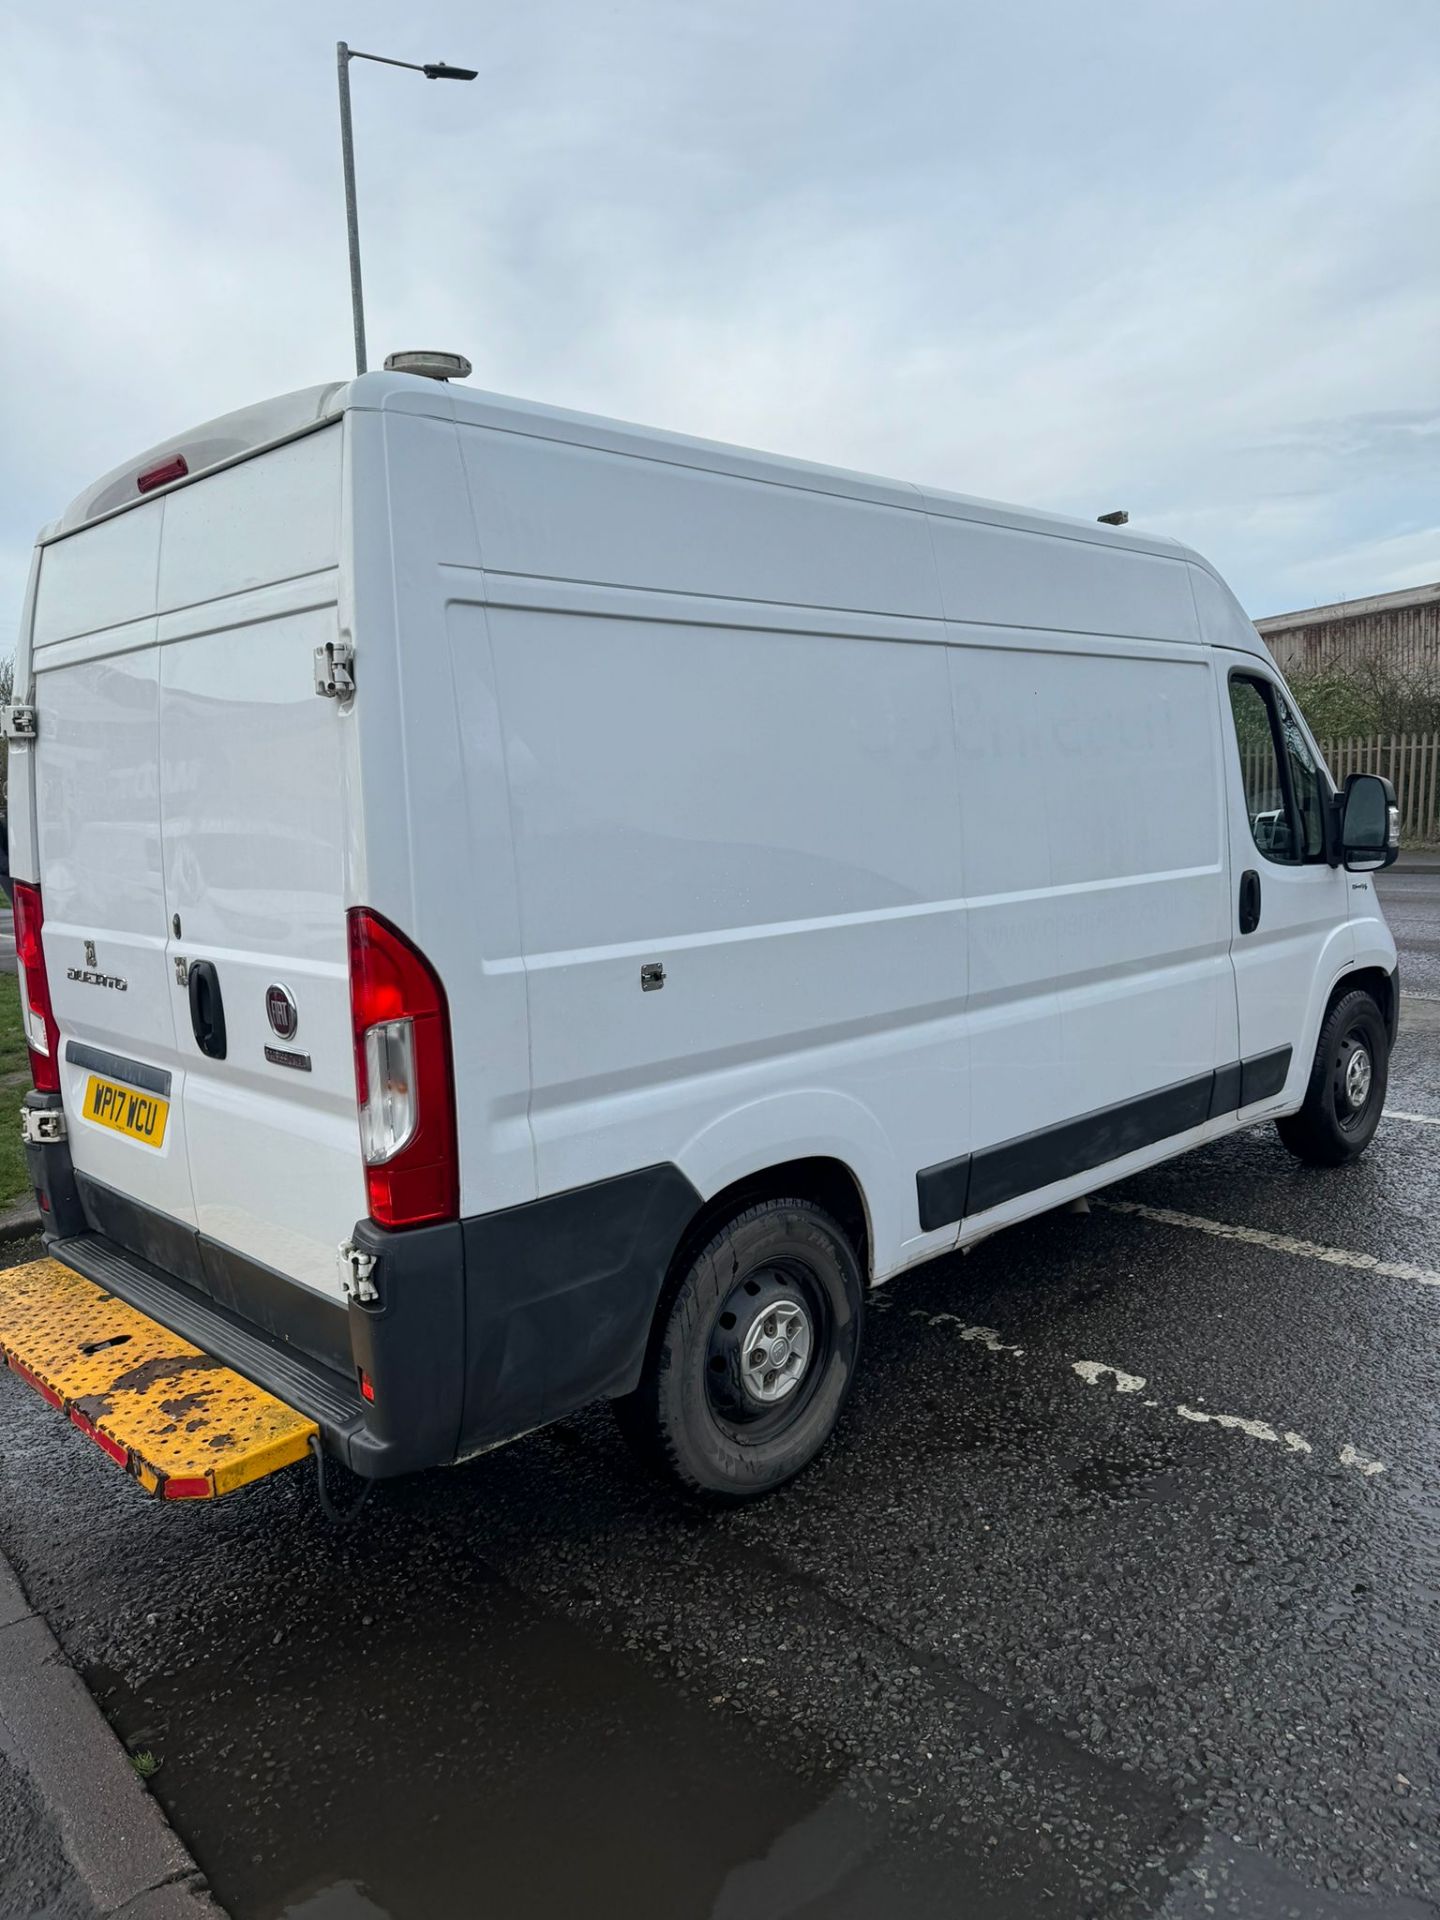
(755, 1354)
(1346, 1094)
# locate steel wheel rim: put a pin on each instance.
(1354, 1080)
(775, 1351)
(789, 1294)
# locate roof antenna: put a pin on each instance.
(1119, 518)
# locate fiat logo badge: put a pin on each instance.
(280, 1007)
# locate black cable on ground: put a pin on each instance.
(337, 1516)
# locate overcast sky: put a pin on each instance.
(1178, 256)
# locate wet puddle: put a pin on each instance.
(512, 1765)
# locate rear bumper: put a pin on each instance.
(348, 1424)
(483, 1329)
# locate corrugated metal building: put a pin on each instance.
(1402, 630)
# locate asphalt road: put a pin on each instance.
(1119, 1594)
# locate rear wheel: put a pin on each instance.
(1346, 1094)
(755, 1354)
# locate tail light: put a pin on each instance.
(42, 1036)
(404, 1078)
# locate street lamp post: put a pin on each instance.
(432, 70)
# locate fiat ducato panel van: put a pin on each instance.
(516, 909)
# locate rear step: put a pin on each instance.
(176, 1418)
(330, 1399)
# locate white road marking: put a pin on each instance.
(1415, 1119)
(986, 1337)
(1093, 1371)
(1257, 1429)
(1352, 1457)
(1279, 1242)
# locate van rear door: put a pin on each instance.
(194, 823)
(254, 810)
(97, 822)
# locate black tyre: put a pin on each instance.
(754, 1355)
(1346, 1094)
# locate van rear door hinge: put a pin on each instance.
(18, 722)
(335, 670)
(39, 1126)
(356, 1270)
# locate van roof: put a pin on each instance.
(216, 443)
(234, 436)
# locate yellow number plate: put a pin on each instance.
(139, 1116)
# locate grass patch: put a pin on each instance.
(14, 1085)
(12, 1032)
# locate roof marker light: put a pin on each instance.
(434, 366)
(161, 476)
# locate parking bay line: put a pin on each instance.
(1415, 1119)
(1094, 1372)
(1277, 1242)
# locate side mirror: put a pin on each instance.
(1369, 823)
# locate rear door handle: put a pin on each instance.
(1249, 900)
(207, 1009)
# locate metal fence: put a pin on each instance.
(1410, 762)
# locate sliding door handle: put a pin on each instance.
(1249, 900)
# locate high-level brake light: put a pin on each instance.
(42, 1035)
(161, 476)
(404, 1076)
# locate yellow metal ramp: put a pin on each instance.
(184, 1424)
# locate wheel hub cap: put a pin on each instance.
(1358, 1073)
(775, 1351)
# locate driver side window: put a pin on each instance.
(1306, 783)
(1283, 784)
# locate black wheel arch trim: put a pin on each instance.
(560, 1297)
(1357, 979)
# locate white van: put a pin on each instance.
(518, 909)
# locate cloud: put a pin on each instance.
(1399, 560)
(1168, 261)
